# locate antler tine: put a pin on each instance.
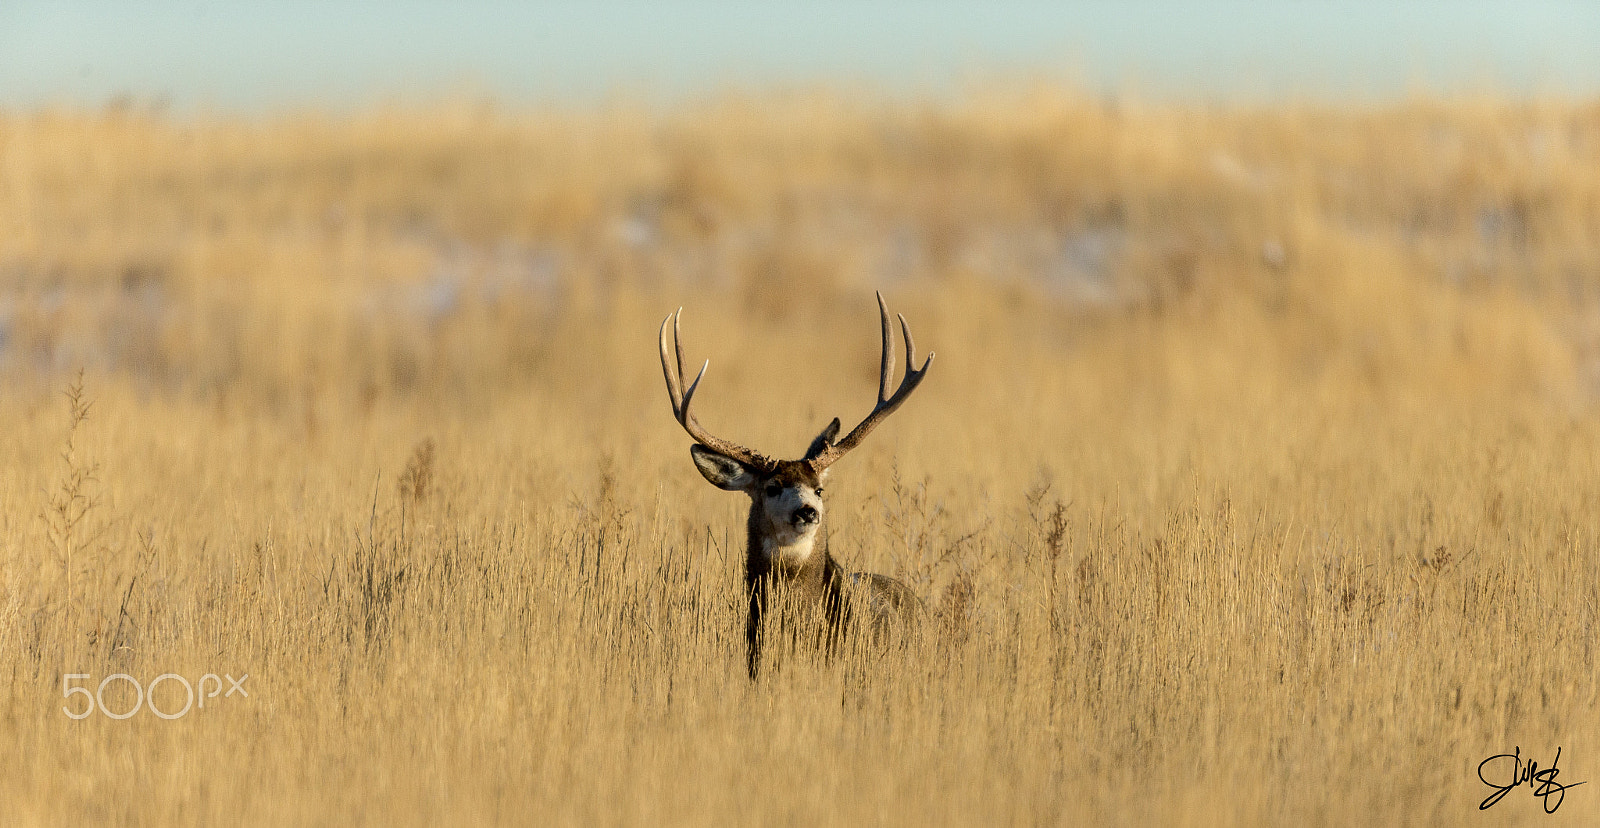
(674, 390)
(911, 350)
(886, 403)
(681, 398)
(689, 394)
(677, 346)
(886, 367)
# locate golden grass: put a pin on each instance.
(1255, 482)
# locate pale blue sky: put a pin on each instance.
(251, 55)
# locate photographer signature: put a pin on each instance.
(1543, 782)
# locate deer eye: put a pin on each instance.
(773, 490)
(819, 491)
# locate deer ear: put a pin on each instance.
(723, 471)
(824, 440)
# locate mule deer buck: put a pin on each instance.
(787, 548)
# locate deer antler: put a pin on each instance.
(681, 399)
(886, 404)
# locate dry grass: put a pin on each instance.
(1255, 482)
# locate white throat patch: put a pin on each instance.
(789, 553)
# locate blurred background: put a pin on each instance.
(205, 195)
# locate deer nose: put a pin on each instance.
(805, 514)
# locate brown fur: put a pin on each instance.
(879, 601)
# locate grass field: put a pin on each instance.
(1256, 481)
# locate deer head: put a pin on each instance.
(786, 495)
